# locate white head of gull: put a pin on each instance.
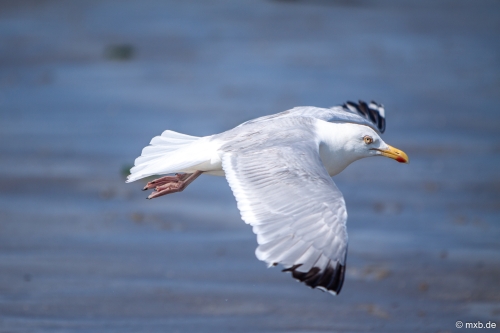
(279, 168)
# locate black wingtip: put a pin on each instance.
(331, 279)
(373, 112)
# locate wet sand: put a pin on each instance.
(85, 85)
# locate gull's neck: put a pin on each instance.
(335, 148)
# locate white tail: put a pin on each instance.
(171, 152)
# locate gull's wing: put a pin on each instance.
(372, 111)
(370, 114)
(293, 205)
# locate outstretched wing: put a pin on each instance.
(370, 114)
(294, 207)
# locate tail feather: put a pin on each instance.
(171, 152)
(157, 150)
(176, 135)
(162, 141)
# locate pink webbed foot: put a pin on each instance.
(166, 180)
(171, 184)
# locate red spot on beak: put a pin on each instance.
(401, 160)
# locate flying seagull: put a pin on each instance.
(279, 168)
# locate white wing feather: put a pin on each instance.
(297, 212)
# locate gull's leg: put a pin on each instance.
(165, 180)
(178, 184)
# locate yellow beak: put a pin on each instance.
(395, 154)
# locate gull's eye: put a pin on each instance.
(367, 139)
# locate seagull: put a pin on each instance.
(279, 168)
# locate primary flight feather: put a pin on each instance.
(279, 168)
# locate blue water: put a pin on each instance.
(81, 251)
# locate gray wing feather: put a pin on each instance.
(372, 114)
(293, 205)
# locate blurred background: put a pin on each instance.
(84, 86)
